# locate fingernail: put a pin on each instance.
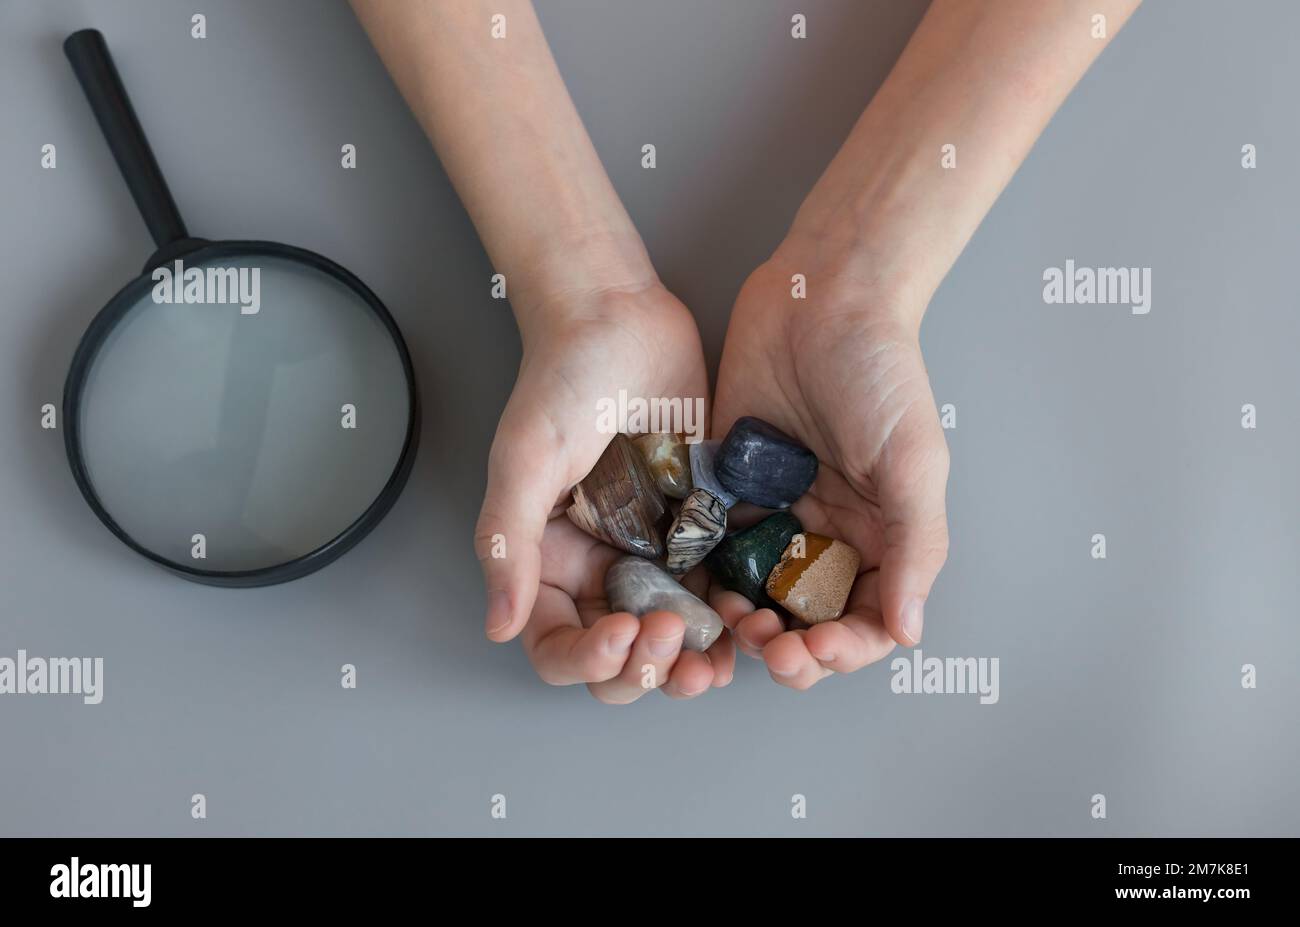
(619, 644)
(784, 674)
(664, 646)
(498, 611)
(913, 616)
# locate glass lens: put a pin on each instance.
(243, 415)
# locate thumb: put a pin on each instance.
(522, 487)
(916, 537)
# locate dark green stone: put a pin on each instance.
(743, 560)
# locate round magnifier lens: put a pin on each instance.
(267, 419)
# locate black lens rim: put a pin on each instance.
(112, 313)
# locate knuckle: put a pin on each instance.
(939, 550)
(607, 696)
(550, 676)
(884, 651)
(550, 670)
(595, 668)
(484, 541)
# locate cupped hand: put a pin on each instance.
(841, 370)
(544, 576)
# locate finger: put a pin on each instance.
(730, 606)
(907, 573)
(653, 654)
(690, 676)
(723, 652)
(790, 664)
(916, 537)
(519, 498)
(849, 644)
(723, 657)
(859, 637)
(563, 653)
(755, 631)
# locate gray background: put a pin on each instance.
(1119, 676)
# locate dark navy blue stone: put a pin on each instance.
(759, 463)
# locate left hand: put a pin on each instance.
(842, 372)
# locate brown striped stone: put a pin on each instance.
(619, 503)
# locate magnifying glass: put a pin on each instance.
(243, 412)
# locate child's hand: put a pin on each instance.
(842, 372)
(549, 583)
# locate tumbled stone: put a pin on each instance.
(619, 503)
(742, 561)
(669, 461)
(640, 587)
(814, 582)
(698, 527)
(759, 463)
(702, 454)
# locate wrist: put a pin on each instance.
(850, 269)
(571, 275)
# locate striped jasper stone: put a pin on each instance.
(696, 530)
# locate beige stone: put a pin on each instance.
(814, 587)
(669, 461)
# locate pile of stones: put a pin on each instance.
(629, 501)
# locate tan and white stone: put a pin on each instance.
(669, 461)
(814, 577)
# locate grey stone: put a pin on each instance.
(639, 586)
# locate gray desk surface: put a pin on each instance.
(1119, 676)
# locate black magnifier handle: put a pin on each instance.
(94, 67)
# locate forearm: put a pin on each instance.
(510, 139)
(984, 76)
